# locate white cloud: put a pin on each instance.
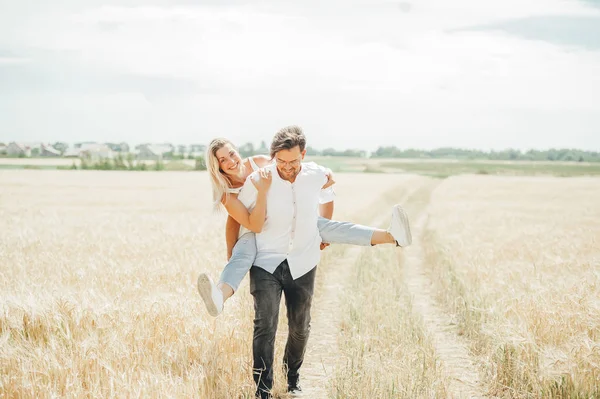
(13, 60)
(355, 74)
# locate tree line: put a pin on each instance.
(553, 154)
(510, 154)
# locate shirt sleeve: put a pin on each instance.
(249, 194)
(328, 194)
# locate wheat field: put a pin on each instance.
(517, 261)
(497, 297)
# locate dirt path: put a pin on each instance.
(322, 354)
(455, 360)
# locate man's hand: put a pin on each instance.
(324, 245)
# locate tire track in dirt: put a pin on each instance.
(452, 351)
(322, 357)
(322, 353)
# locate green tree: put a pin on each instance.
(312, 151)
(200, 164)
(247, 150)
(60, 146)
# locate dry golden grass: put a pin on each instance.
(384, 349)
(517, 260)
(98, 286)
(99, 300)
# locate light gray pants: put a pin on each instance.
(331, 231)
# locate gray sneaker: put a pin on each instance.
(295, 391)
(211, 295)
(399, 227)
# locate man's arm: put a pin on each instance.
(261, 160)
(326, 198)
(232, 230)
(327, 194)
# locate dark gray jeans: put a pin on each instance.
(266, 288)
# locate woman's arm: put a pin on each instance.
(261, 160)
(330, 182)
(254, 220)
(232, 230)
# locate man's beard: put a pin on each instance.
(291, 175)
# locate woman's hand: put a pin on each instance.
(330, 181)
(263, 184)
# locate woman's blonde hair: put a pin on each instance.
(220, 182)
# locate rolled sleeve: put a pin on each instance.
(248, 194)
(326, 195)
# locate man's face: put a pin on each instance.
(289, 163)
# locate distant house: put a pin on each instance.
(47, 150)
(15, 149)
(118, 147)
(263, 149)
(113, 146)
(84, 143)
(96, 152)
(197, 150)
(182, 149)
(124, 147)
(91, 151)
(61, 146)
(153, 152)
(72, 153)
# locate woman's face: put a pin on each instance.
(229, 160)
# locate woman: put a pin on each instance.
(228, 173)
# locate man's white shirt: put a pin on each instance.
(290, 230)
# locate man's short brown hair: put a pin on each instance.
(288, 138)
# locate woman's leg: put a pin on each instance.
(242, 258)
(332, 231)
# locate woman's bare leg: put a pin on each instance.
(226, 290)
(215, 295)
(382, 237)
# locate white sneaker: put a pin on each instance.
(399, 227)
(211, 295)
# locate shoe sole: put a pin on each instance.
(205, 290)
(398, 210)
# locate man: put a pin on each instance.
(288, 253)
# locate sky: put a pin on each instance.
(353, 73)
